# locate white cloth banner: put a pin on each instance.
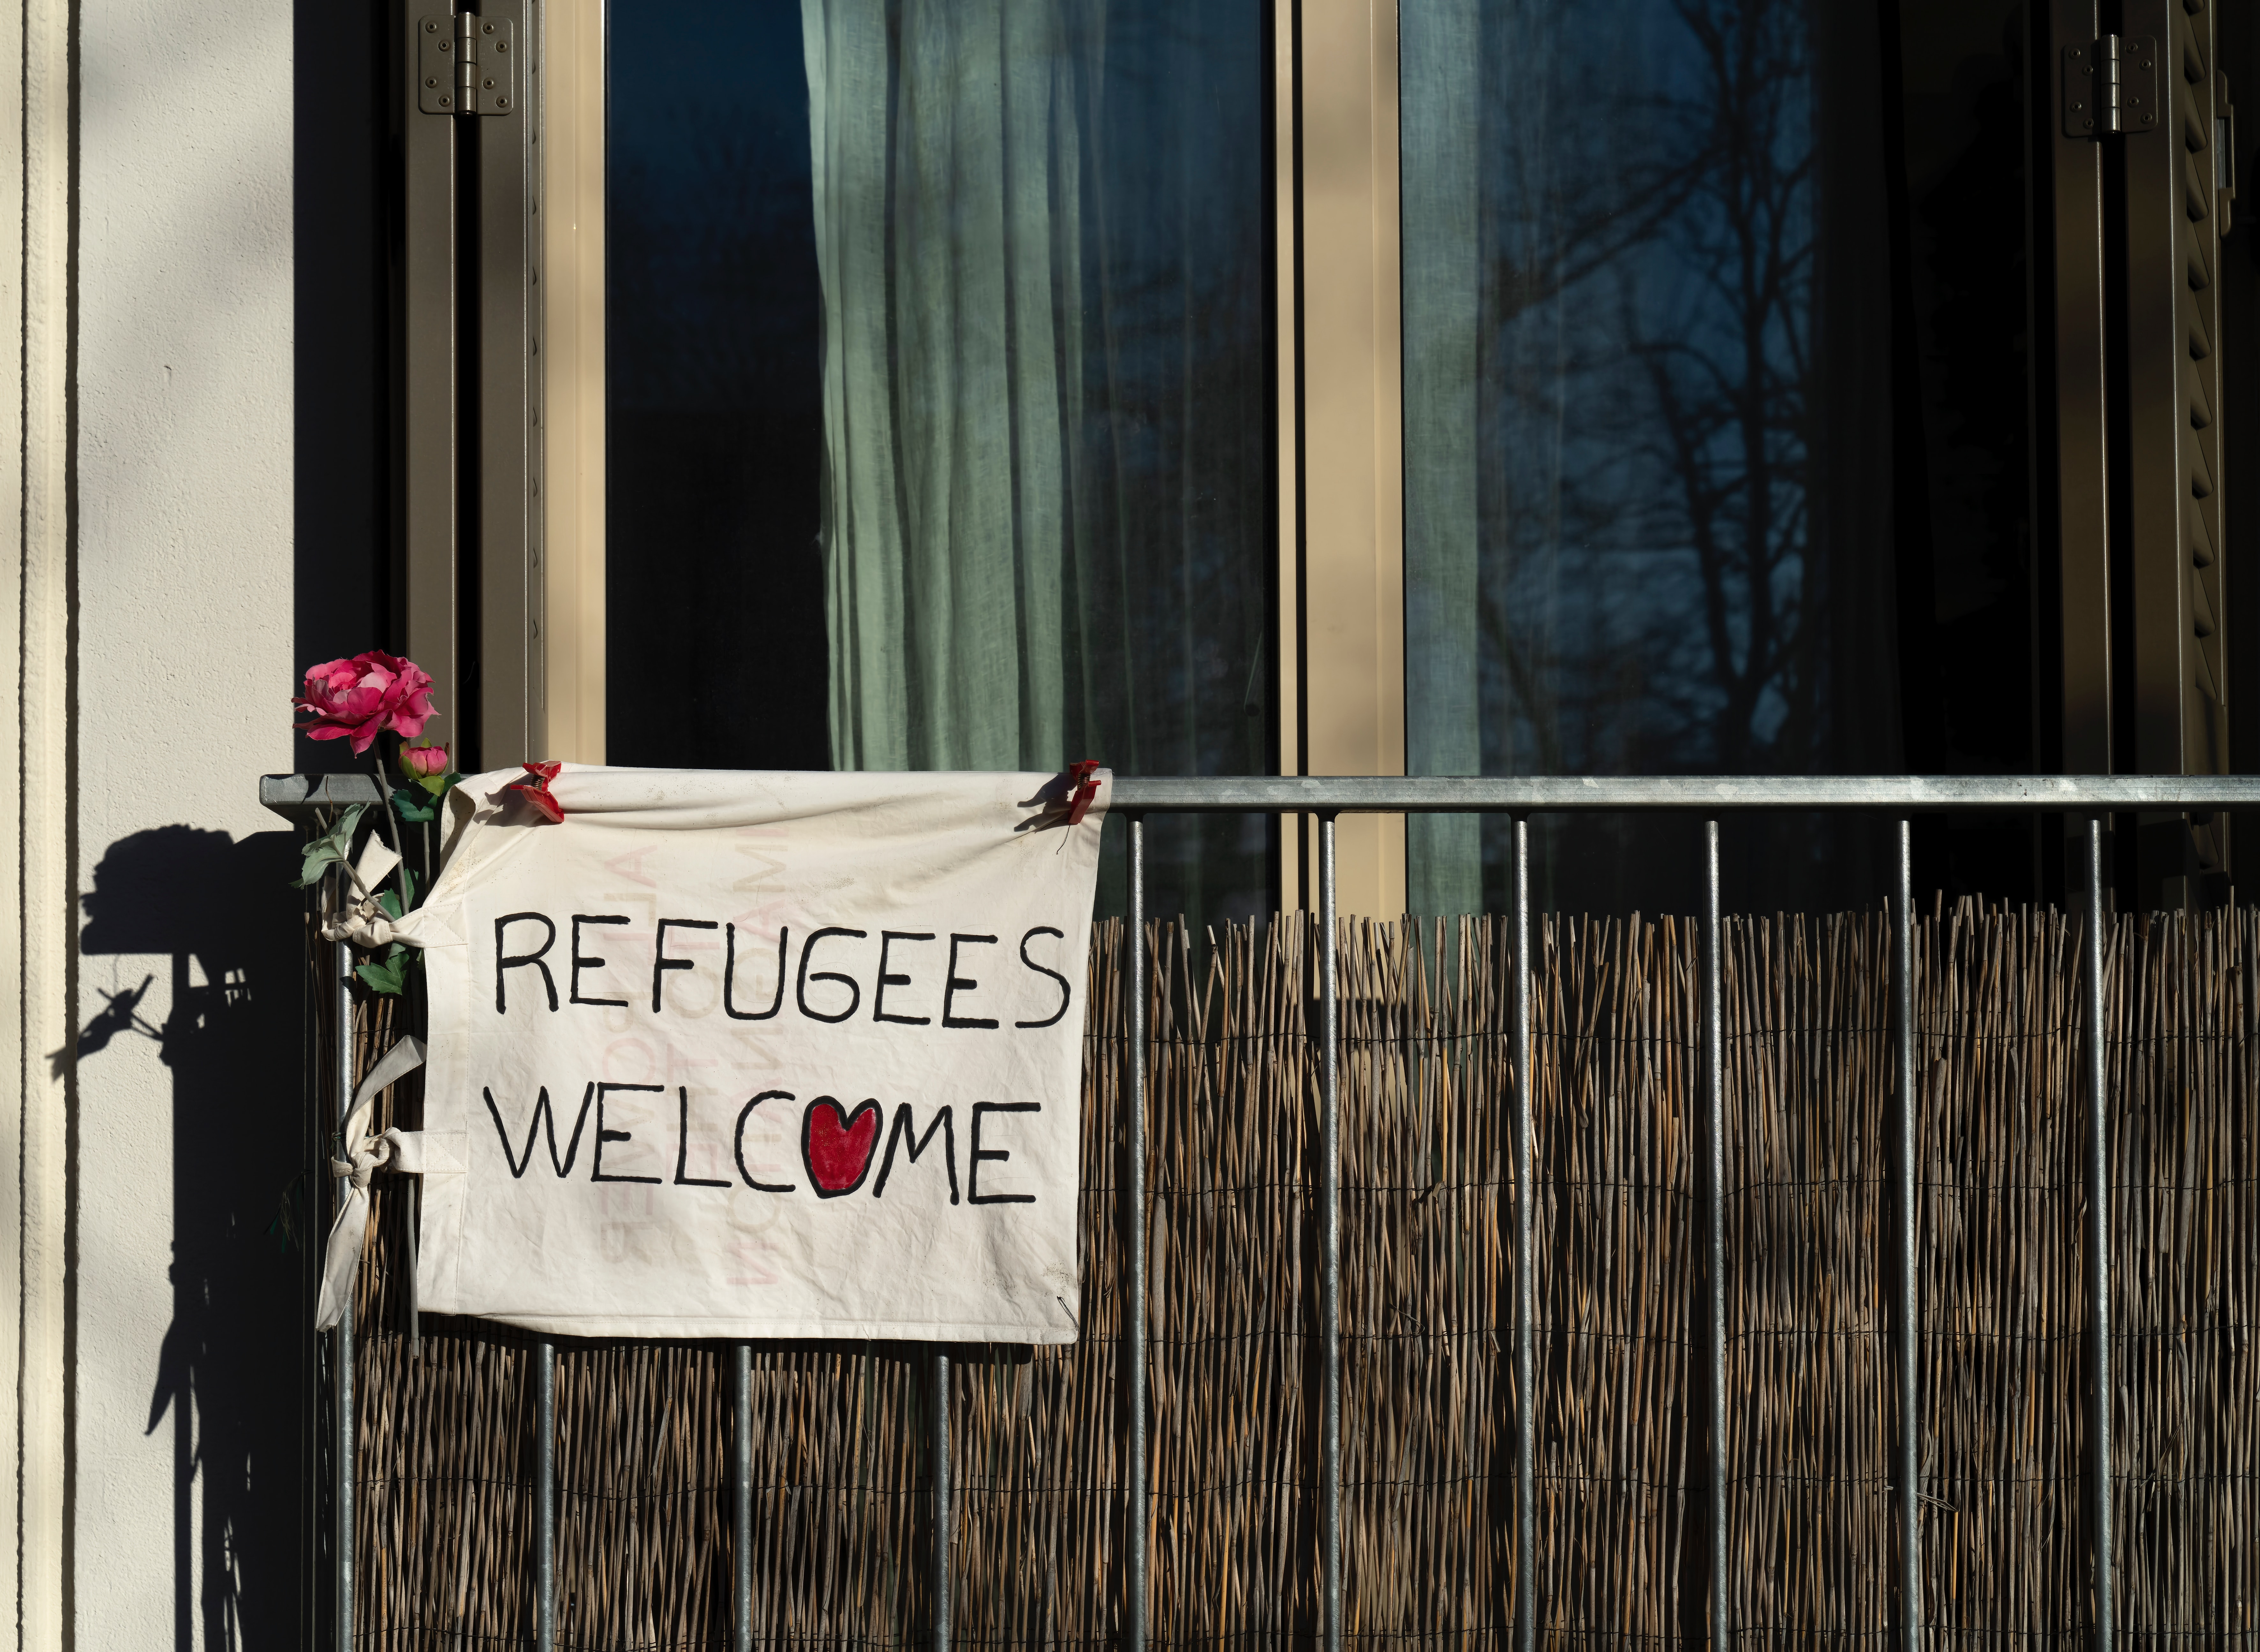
(757, 1056)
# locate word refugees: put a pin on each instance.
(917, 977)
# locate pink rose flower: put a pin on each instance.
(358, 699)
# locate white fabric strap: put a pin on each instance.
(366, 1155)
(359, 918)
(393, 1065)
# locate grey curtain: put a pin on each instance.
(947, 136)
(1048, 384)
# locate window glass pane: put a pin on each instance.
(1965, 454)
(946, 439)
(1669, 422)
(714, 595)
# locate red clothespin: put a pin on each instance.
(538, 793)
(1084, 774)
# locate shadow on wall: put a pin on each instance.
(227, 1373)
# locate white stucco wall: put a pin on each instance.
(183, 425)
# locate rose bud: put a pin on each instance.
(428, 764)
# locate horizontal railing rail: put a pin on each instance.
(2090, 798)
(1560, 794)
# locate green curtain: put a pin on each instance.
(947, 140)
(1439, 68)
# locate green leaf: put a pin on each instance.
(390, 976)
(389, 898)
(332, 848)
(419, 800)
(413, 804)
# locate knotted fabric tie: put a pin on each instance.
(365, 1155)
(359, 919)
(364, 923)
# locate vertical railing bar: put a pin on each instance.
(545, 1495)
(414, 1187)
(1330, 1489)
(2098, 1236)
(1137, 1511)
(1526, 1395)
(344, 1449)
(1714, 1202)
(1903, 1219)
(938, 1404)
(741, 1495)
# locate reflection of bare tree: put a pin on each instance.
(1579, 196)
(1649, 295)
(1730, 388)
(1577, 231)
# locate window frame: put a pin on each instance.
(1340, 436)
(570, 66)
(1337, 424)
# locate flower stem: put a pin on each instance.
(392, 836)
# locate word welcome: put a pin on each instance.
(900, 967)
(837, 1146)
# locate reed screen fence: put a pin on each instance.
(842, 1553)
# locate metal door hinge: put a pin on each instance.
(465, 65)
(2110, 87)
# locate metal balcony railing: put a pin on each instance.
(2088, 799)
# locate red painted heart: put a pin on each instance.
(835, 1145)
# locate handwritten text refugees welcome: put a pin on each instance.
(912, 978)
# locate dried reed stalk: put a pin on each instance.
(841, 1521)
(2003, 1300)
(1810, 1416)
(2185, 1219)
(1617, 1013)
